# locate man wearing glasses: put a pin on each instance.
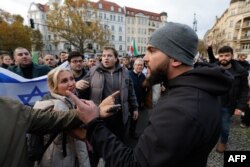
(24, 65)
(75, 60)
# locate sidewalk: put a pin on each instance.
(239, 140)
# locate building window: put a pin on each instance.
(231, 23)
(120, 38)
(121, 19)
(113, 28)
(112, 8)
(114, 17)
(119, 10)
(127, 48)
(113, 38)
(229, 36)
(120, 47)
(49, 37)
(128, 30)
(248, 33)
(100, 6)
(50, 47)
(100, 15)
(120, 29)
(128, 39)
(233, 12)
(128, 20)
(105, 16)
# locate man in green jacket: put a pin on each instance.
(18, 119)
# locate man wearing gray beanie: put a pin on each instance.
(185, 124)
(176, 40)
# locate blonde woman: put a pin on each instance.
(65, 150)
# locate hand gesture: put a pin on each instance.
(108, 104)
(82, 84)
(86, 110)
(135, 115)
(209, 44)
(237, 112)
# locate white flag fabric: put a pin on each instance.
(27, 91)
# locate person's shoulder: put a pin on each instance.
(239, 68)
(43, 104)
(13, 68)
(131, 72)
(10, 105)
(41, 66)
(94, 68)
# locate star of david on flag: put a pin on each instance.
(27, 91)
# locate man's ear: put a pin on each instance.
(175, 63)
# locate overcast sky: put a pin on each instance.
(178, 10)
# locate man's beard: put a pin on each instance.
(157, 76)
(225, 63)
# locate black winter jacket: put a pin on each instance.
(236, 97)
(183, 127)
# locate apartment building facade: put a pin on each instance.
(140, 25)
(123, 23)
(112, 17)
(232, 28)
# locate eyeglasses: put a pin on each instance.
(76, 61)
(24, 53)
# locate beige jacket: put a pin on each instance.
(76, 149)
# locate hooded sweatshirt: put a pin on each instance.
(183, 127)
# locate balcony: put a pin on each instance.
(234, 38)
(246, 25)
(245, 38)
(237, 26)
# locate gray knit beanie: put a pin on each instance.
(176, 40)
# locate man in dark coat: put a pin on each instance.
(185, 124)
(24, 65)
(235, 101)
(140, 91)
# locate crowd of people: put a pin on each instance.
(94, 105)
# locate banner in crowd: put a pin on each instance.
(27, 91)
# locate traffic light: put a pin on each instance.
(32, 25)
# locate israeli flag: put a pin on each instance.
(27, 91)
